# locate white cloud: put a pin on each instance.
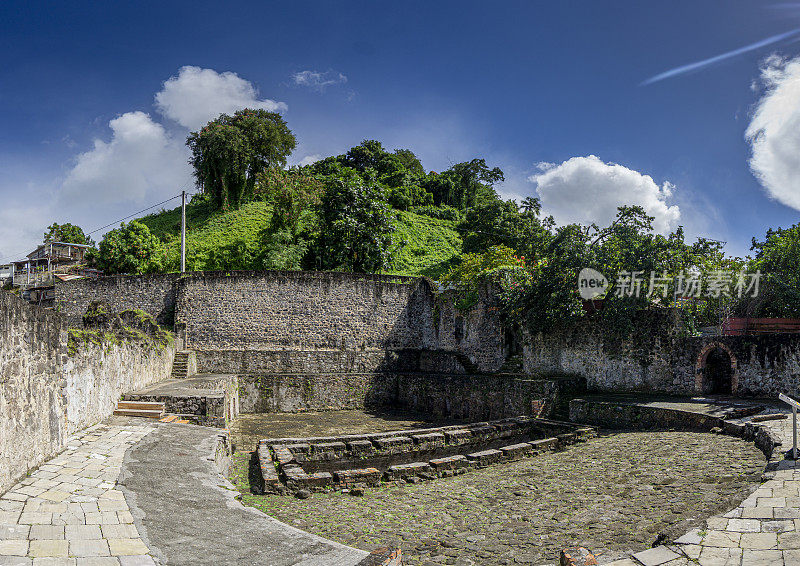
(195, 96)
(141, 161)
(147, 160)
(309, 159)
(774, 131)
(586, 189)
(318, 81)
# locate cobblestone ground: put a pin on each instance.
(613, 494)
(69, 513)
(764, 530)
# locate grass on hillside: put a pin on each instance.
(215, 239)
(431, 245)
(233, 239)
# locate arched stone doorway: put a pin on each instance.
(715, 372)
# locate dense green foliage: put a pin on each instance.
(777, 257)
(356, 227)
(66, 233)
(374, 209)
(131, 248)
(230, 152)
(424, 245)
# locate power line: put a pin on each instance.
(7, 256)
(134, 214)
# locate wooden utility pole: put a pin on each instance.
(183, 232)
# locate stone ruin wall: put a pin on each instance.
(48, 393)
(267, 321)
(305, 311)
(658, 359)
(155, 294)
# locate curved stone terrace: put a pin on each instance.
(132, 492)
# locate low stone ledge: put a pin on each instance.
(393, 445)
(267, 481)
(402, 471)
(303, 448)
(449, 463)
(460, 436)
(517, 451)
(315, 463)
(429, 441)
(361, 447)
(485, 457)
(544, 445)
(283, 455)
(368, 476)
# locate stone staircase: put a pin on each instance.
(146, 409)
(180, 366)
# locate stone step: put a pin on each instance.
(139, 413)
(141, 405)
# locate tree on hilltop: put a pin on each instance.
(355, 226)
(229, 152)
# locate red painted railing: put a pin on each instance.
(737, 326)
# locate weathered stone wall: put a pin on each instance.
(316, 392)
(474, 397)
(477, 333)
(154, 294)
(96, 376)
(327, 361)
(31, 407)
(48, 392)
(656, 358)
(480, 397)
(297, 310)
(337, 316)
(642, 363)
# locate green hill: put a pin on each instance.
(221, 240)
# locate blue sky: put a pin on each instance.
(550, 92)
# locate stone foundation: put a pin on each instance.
(341, 462)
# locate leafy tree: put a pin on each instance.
(499, 264)
(364, 156)
(292, 194)
(777, 257)
(498, 222)
(229, 152)
(131, 248)
(355, 232)
(411, 162)
(66, 233)
(464, 185)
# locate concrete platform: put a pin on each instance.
(201, 398)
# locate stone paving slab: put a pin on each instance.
(70, 511)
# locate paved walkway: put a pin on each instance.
(189, 515)
(132, 492)
(69, 512)
(764, 530)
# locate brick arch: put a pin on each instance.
(700, 365)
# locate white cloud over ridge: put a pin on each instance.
(147, 160)
(317, 80)
(195, 96)
(774, 131)
(586, 189)
(142, 160)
